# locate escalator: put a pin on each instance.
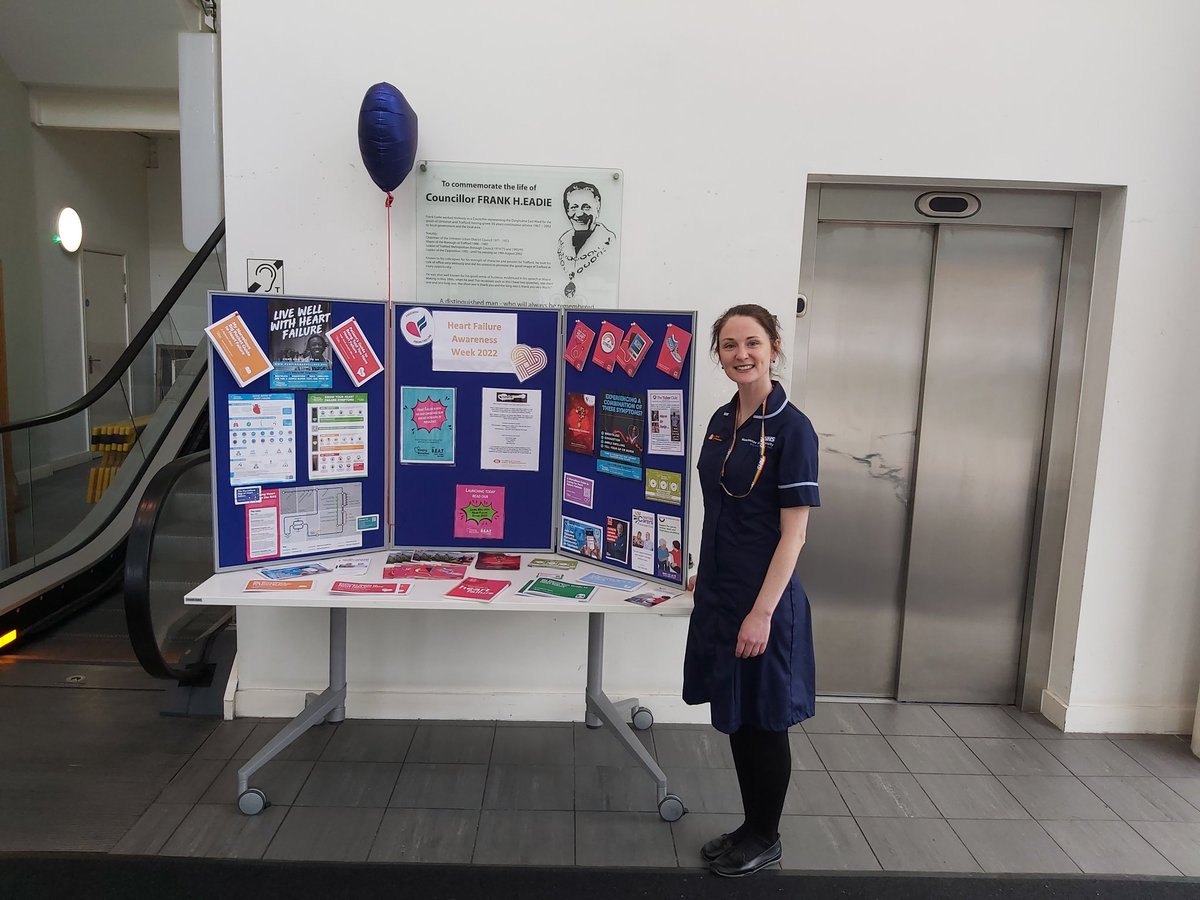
(146, 537)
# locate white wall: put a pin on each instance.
(718, 115)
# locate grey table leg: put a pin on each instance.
(328, 706)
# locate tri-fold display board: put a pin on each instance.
(343, 425)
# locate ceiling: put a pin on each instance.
(96, 45)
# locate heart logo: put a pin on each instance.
(527, 361)
(411, 328)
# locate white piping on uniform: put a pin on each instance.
(799, 484)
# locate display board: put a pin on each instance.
(627, 391)
(299, 434)
(475, 411)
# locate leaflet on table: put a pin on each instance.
(479, 512)
(297, 571)
(498, 561)
(482, 590)
(368, 587)
(425, 571)
(666, 422)
(258, 585)
(337, 430)
(622, 435)
(641, 550)
(454, 557)
(650, 598)
(561, 565)
(511, 428)
(557, 589)
(298, 344)
(428, 426)
(262, 438)
(305, 520)
(351, 565)
(616, 582)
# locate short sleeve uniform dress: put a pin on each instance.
(775, 690)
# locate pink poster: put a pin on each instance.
(479, 511)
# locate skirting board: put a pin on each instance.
(519, 707)
(1083, 719)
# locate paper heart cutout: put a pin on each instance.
(528, 361)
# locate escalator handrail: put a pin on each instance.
(138, 552)
(118, 368)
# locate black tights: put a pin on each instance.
(763, 760)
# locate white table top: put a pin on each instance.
(226, 589)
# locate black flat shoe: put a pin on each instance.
(746, 858)
(717, 847)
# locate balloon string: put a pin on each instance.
(388, 204)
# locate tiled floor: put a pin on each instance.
(874, 786)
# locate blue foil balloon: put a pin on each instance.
(387, 135)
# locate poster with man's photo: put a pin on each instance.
(298, 345)
(493, 235)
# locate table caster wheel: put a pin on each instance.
(641, 717)
(671, 808)
(252, 802)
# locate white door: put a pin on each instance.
(105, 333)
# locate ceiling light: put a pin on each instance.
(70, 230)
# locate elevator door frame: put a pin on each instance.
(1078, 213)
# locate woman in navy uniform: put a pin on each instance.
(749, 649)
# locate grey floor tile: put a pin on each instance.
(190, 782)
(971, 797)
(533, 745)
(1005, 756)
(426, 836)
(825, 842)
(856, 753)
(349, 784)
(525, 838)
(1096, 756)
(623, 839)
(280, 781)
(1109, 848)
(219, 830)
(692, 748)
(615, 789)
(803, 754)
(1056, 797)
(435, 786)
(1187, 788)
(530, 787)
(1179, 842)
(152, 830)
(76, 827)
(917, 845)
(369, 742)
(1164, 755)
(331, 833)
(1000, 845)
(306, 747)
(445, 743)
(907, 718)
(1142, 799)
(884, 794)
(706, 790)
(225, 740)
(813, 794)
(936, 755)
(598, 747)
(839, 718)
(696, 829)
(980, 721)
(1042, 728)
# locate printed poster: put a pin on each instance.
(262, 526)
(510, 432)
(581, 537)
(237, 347)
(319, 518)
(427, 433)
(641, 548)
(580, 431)
(298, 344)
(668, 554)
(616, 540)
(578, 490)
(337, 429)
(473, 341)
(496, 235)
(663, 486)
(479, 512)
(262, 438)
(357, 355)
(666, 422)
(622, 435)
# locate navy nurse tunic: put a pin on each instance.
(775, 690)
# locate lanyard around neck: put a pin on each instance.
(762, 452)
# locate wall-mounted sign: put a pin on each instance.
(518, 235)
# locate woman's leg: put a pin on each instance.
(770, 755)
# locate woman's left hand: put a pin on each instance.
(753, 635)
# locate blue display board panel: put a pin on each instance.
(428, 490)
(243, 509)
(626, 454)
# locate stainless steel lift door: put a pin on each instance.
(918, 561)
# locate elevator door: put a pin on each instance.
(928, 363)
